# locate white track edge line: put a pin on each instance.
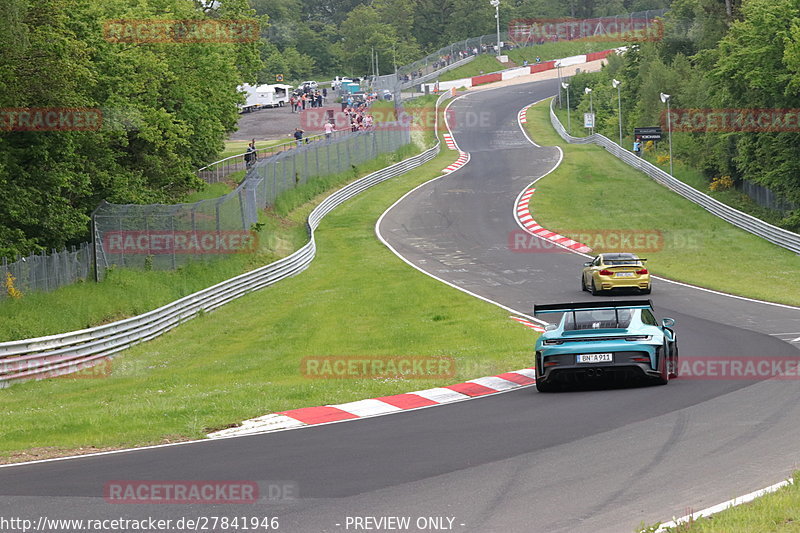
(714, 509)
(680, 283)
(437, 278)
(719, 507)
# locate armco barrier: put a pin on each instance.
(516, 72)
(541, 67)
(774, 234)
(594, 56)
(486, 78)
(65, 353)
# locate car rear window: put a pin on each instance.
(598, 319)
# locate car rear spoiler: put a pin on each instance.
(577, 306)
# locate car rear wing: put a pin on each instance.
(578, 306)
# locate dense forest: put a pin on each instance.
(719, 57)
(167, 107)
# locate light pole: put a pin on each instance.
(588, 91)
(496, 4)
(665, 99)
(558, 66)
(566, 89)
(616, 84)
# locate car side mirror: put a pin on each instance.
(668, 322)
(550, 327)
(587, 264)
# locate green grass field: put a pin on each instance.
(127, 292)
(686, 174)
(698, 248)
(243, 360)
(239, 147)
(778, 512)
(482, 64)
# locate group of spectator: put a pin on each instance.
(358, 117)
(302, 99)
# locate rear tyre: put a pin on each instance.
(674, 367)
(663, 366)
(593, 289)
(583, 284)
(647, 290)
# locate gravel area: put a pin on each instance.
(266, 124)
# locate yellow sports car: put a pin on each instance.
(615, 271)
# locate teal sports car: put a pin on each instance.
(615, 340)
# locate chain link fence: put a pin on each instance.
(766, 197)
(44, 272)
(435, 63)
(220, 170)
(164, 237)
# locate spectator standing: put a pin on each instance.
(329, 129)
(298, 136)
(250, 155)
(637, 146)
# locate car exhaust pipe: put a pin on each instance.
(599, 372)
(590, 372)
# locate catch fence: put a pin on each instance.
(164, 237)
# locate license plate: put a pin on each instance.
(595, 358)
(624, 274)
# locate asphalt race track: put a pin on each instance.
(590, 460)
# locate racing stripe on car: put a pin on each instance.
(384, 405)
(462, 160)
(524, 216)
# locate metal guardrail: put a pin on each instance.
(780, 236)
(43, 357)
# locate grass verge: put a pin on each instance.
(486, 63)
(697, 247)
(777, 512)
(690, 175)
(243, 360)
(239, 147)
(127, 293)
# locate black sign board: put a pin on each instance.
(645, 131)
(649, 136)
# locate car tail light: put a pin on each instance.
(642, 272)
(605, 272)
(640, 359)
